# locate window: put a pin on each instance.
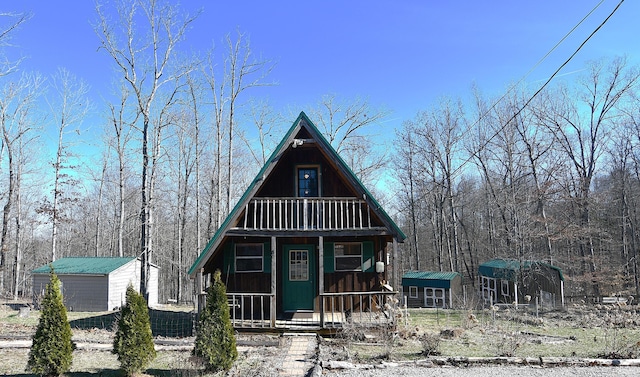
(298, 265)
(249, 257)
(504, 287)
(348, 256)
(308, 182)
(489, 289)
(413, 292)
(434, 298)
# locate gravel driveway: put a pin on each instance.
(487, 371)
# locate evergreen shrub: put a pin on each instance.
(52, 349)
(133, 342)
(215, 341)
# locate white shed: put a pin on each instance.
(93, 283)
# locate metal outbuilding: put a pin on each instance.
(431, 289)
(95, 283)
(508, 281)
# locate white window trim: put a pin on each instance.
(437, 296)
(336, 257)
(413, 291)
(305, 275)
(504, 287)
(236, 257)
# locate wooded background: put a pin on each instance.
(549, 175)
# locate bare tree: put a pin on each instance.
(142, 43)
(267, 125)
(16, 116)
(122, 132)
(582, 128)
(241, 71)
(439, 138)
(68, 110)
(406, 171)
(10, 22)
(350, 127)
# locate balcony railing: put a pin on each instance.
(275, 214)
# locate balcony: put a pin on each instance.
(307, 215)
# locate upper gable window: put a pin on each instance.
(308, 182)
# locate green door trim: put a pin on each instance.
(298, 277)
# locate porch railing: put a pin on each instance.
(252, 310)
(359, 308)
(306, 214)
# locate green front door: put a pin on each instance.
(299, 288)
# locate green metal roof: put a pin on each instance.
(433, 279)
(430, 275)
(509, 268)
(84, 265)
(301, 121)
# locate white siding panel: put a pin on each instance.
(119, 280)
(153, 286)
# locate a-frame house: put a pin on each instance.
(306, 244)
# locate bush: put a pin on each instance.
(215, 339)
(133, 342)
(52, 349)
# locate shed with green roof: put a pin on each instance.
(432, 289)
(510, 281)
(95, 283)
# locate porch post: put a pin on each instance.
(321, 278)
(274, 274)
(394, 271)
(199, 290)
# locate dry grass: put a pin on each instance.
(596, 332)
(583, 332)
(253, 360)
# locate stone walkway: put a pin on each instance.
(300, 358)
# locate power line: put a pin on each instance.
(543, 85)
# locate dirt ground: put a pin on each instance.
(587, 332)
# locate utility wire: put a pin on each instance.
(515, 115)
(482, 115)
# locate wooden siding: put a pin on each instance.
(416, 302)
(281, 182)
(254, 282)
(453, 294)
(543, 278)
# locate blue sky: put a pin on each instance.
(402, 55)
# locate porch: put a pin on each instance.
(337, 310)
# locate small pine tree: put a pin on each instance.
(52, 349)
(215, 340)
(133, 342)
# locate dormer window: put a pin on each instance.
(308, 182)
